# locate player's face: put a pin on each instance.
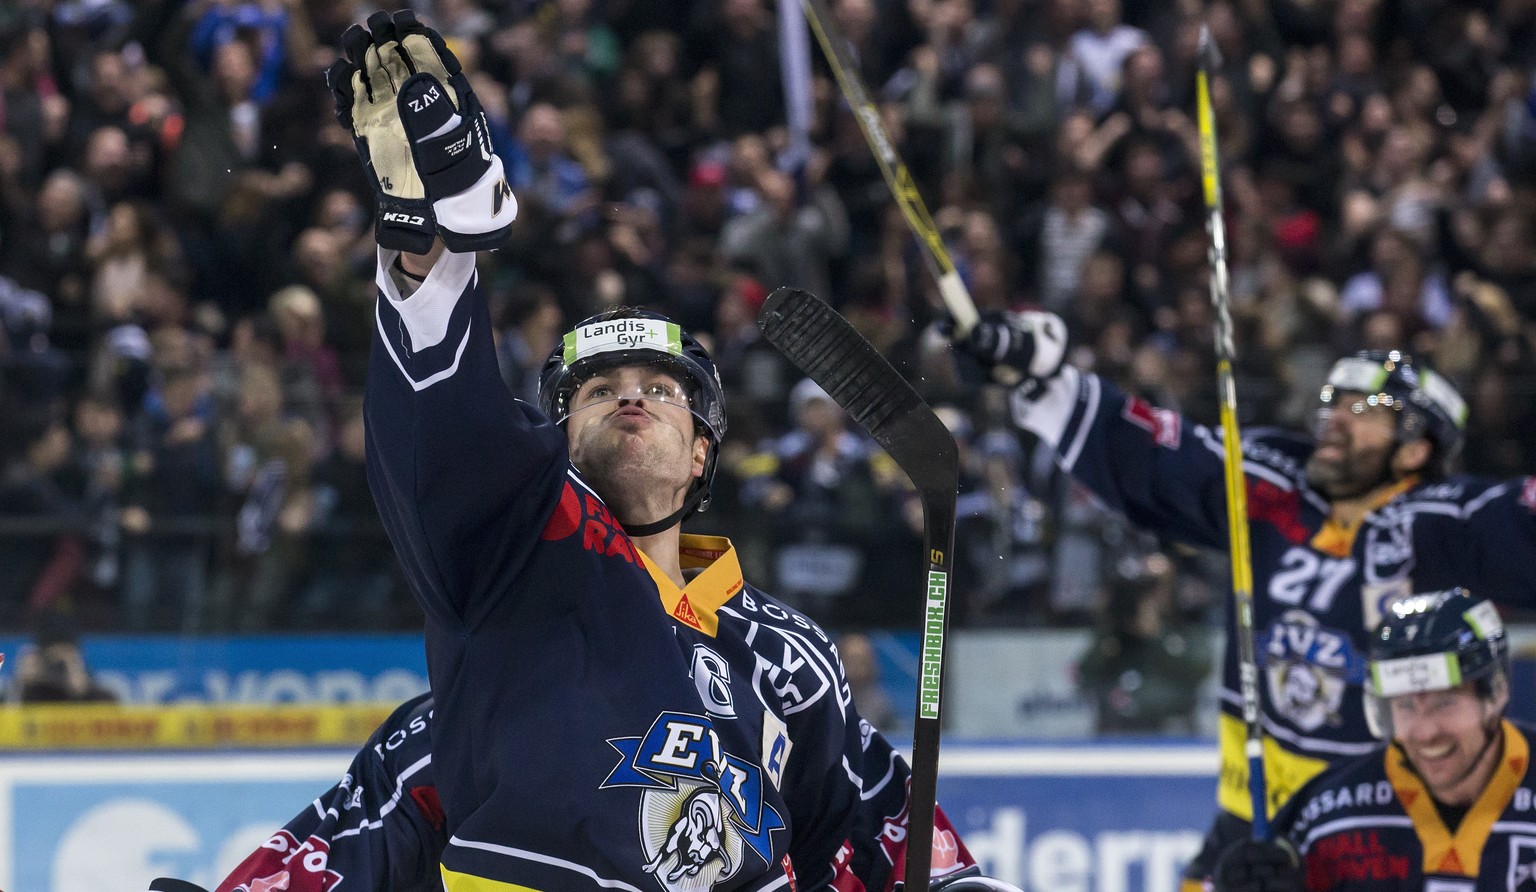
(633, 437)
(1354, 448)
(1445, 736)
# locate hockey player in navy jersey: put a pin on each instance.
(614, 707)
(1341, 524)
(1447, 806)
(382, 828)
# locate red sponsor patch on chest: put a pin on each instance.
(600, 533)
(567, 516)
(1353, 857)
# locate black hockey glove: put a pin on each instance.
(166, 884)
(1249, 865)
(422, 136)
(1033, 344)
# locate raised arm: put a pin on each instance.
(455, 463)
(1162, 472)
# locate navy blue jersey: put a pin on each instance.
(381, 828)
(1367, 824)
(594, 728)
(1318, 587)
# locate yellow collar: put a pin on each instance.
(720, 579)
(1459, 854)
(1337, 538)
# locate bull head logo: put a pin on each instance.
(695, 838)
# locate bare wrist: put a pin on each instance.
(408, 268)
(418, 265)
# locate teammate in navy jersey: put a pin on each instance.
(614, 707)
(1341, 524)
(381, 828)
(1447, 806)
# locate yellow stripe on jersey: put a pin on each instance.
(453, 881)
(1459, 854)
(1284, 771)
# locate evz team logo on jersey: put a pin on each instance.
(1308, 667)
(702, 811)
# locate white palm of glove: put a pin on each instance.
(376, 119)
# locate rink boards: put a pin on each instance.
(1074, 818)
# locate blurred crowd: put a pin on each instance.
(186, 272)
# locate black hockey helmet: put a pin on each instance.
(1433, 642)
(626, 336)
(1424, 402)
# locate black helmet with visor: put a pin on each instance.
(1424, 403)
(1434, 641)
(626, 336)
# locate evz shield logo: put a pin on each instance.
(1522, 864)
(1308, 667)
(702, 811)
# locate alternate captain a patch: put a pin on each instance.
(702, 811)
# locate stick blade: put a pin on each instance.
(828, 349)
(832, 353)
(170, 884)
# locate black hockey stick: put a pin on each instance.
(830, 352)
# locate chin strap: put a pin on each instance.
(1495, 731)
(676, 517)
(697, 500)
